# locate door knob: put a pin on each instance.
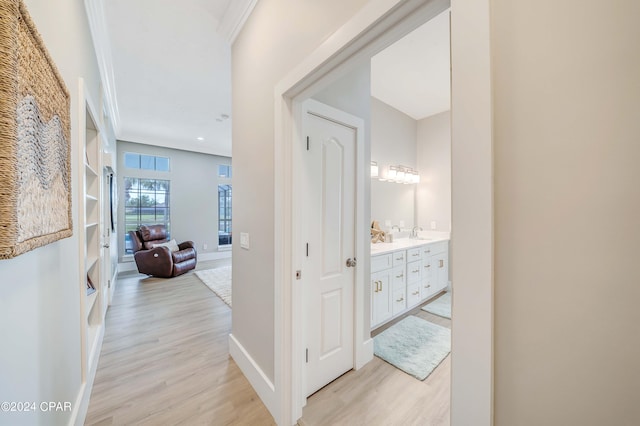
(106, 246)
(351, 263)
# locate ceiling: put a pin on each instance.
(413, 74)
(166, 69)
(169, 67)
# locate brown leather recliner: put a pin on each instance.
(161, 261)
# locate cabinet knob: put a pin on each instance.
(351, 263)
(400, 276)
(400, 300)
(416, 293)
(441, 263)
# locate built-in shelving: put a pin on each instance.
(93, 303)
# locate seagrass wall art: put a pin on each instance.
(35, 157)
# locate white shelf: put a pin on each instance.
(91, 301)
(90, 197)
(91, 261)
(90, 169)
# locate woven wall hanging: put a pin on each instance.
(35, 150)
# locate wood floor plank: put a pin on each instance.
(165, 361)
(165, 358)
(380, 394)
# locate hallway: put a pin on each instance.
(165, 358)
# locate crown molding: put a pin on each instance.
(102, 47)
(235, 17)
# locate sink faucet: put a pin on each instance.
(396, 226)
(414, 231)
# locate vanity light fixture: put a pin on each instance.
(374, 169)
(392, 174)
(397, 174)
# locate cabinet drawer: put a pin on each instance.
(398, 276)
(399, 257)
(414, 254)
(381, 262)
(427, 290)
(413, 295)
(399, 301)
(414, 272)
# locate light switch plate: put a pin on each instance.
(244, 240)
(402, 224)
(433, 224)
(387, 223)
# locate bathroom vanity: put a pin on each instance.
(405, 273)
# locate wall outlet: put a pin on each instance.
(433, 224)
(244, 240)
(401, 224)
(387, 223)
(204, 246)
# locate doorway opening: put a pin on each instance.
(367, 34)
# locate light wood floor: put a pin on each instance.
(165, 360)
(380, 394)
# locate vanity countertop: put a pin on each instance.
(405, 243)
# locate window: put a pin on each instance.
(146, 162)
(224, 215)
(146, 203)
(224, 171)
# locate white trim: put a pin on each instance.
(102, 46)
(235, 17)
(472, 209)
(252, 371)
(80, 408)
(376, 25)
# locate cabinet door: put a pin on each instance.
(442, 267)
(381, 309)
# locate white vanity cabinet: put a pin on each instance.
(402, 278)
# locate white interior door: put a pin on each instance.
(329, 194)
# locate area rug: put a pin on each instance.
(413, 345)
(441, 306)
(219, 281)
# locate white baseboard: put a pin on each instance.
(365, 354)
(80, 408)
(252, 371)
(215, 255)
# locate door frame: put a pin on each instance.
(378, 24)
(362, 353)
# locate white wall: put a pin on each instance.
(433, 193)
(194, 192)
(39, 291)
(393, 142)
(567, 206)
(276, 37)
